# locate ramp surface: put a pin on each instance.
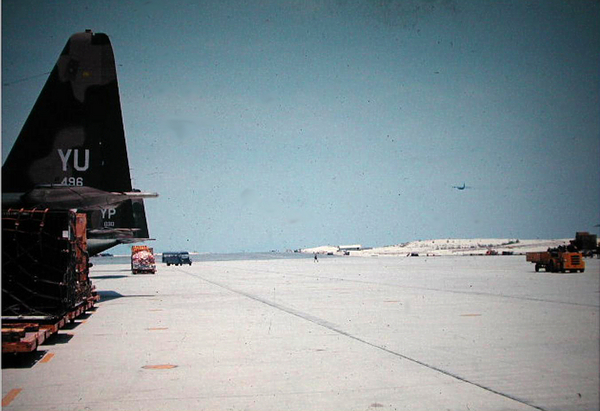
(346, 333)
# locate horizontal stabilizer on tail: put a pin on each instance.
(67, 197)
(113, 232)
(136, 240)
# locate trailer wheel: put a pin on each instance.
(537, 268)
(550, 267)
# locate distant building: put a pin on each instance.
(354, 247)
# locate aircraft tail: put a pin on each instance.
(74, 134)
(125, 224)
(125, 221)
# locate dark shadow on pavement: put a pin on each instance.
(107, 277)
(58, 338)
(21, 360)
(71, 325)
(112, 295)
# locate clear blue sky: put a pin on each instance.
(285, 124)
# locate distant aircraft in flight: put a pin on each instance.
(461, 187)
(71, 152)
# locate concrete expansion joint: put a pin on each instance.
(334, 328)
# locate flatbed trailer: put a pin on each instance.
(24, 334)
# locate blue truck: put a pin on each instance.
(176, 258)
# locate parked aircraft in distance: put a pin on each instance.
(71, 152)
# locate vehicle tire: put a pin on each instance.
(550, 267)
(168, 264)
(537, 268)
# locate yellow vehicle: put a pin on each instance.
(557, 260)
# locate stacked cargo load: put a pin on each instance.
(45, 274)
(44, 262)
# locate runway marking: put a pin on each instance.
(10, 396)
(47, 358)
(157, 328)
(470, 315)
(334, 328)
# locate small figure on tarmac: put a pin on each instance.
(316, 259)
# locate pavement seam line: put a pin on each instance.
(514, 297)
(333, 327)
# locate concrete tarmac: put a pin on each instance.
(346, 333)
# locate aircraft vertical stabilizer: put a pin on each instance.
(74, 134)
(71, 152)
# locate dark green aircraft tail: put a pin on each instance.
(74, 134)
(73, 143)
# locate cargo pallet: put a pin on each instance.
(25, 334)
